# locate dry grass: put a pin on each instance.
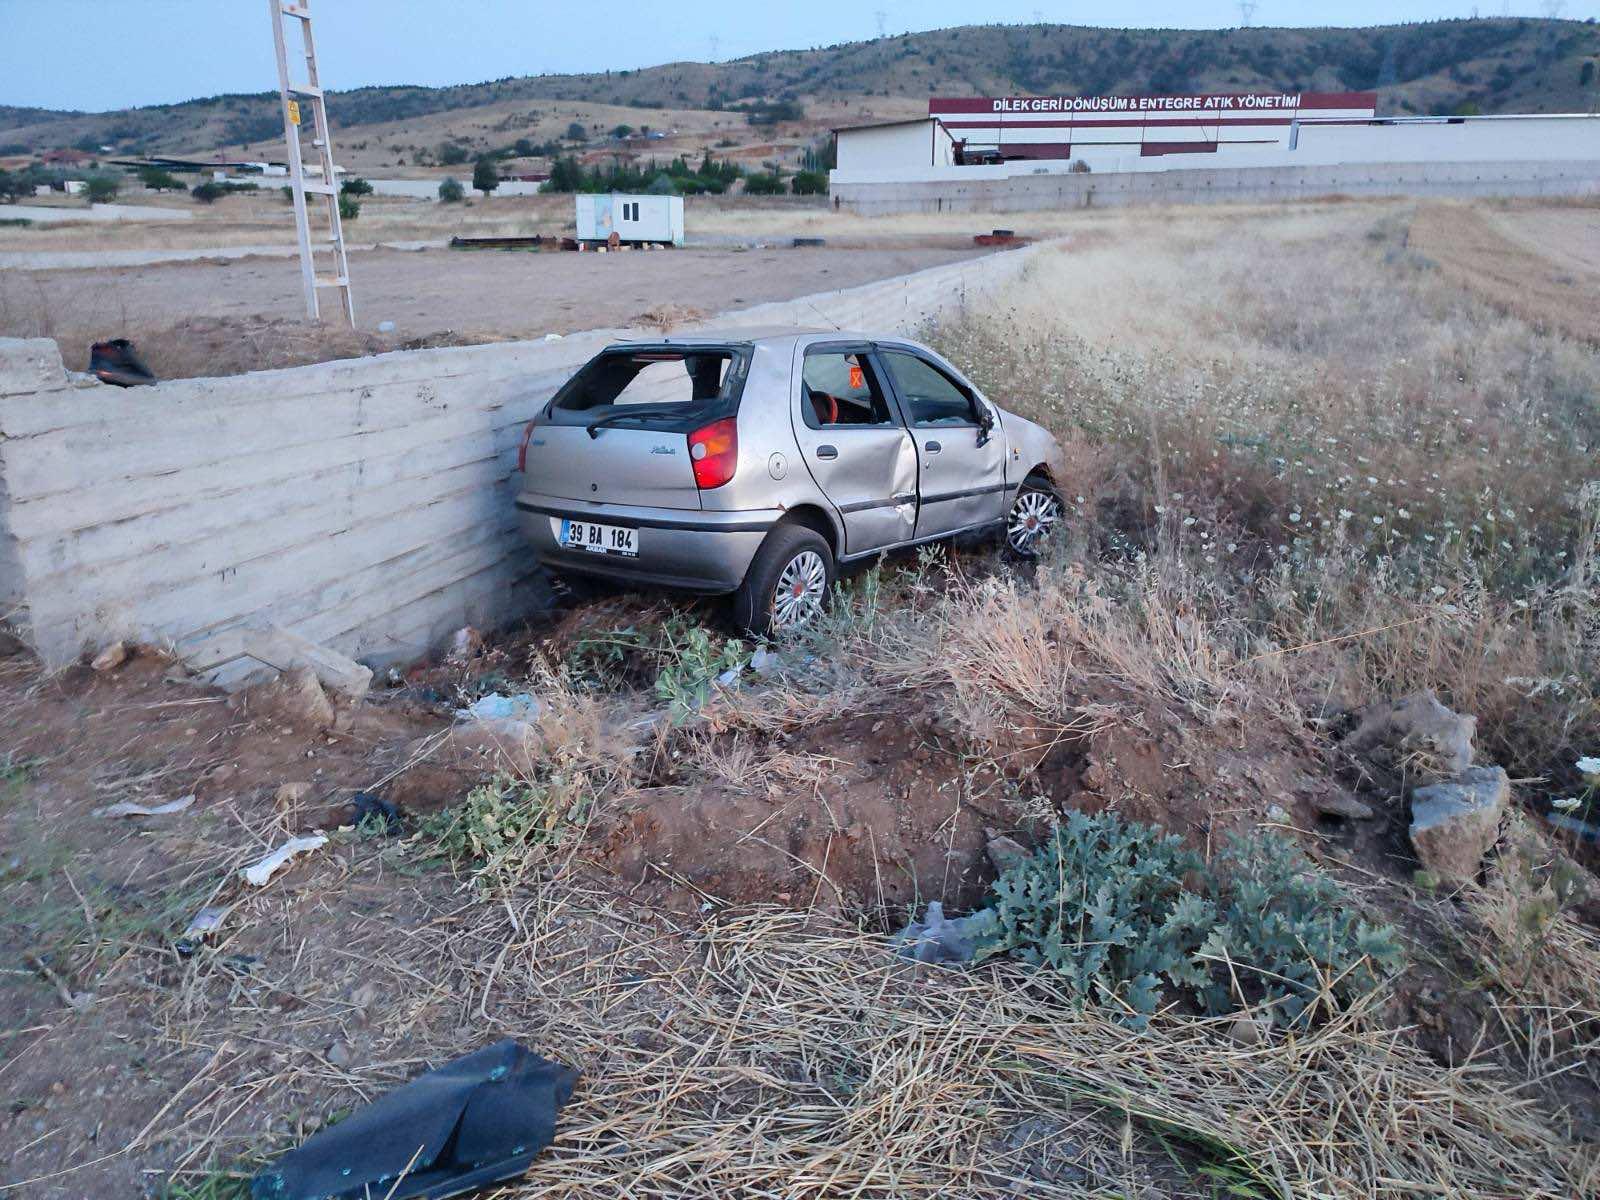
(763, 1054)
(1359, 456)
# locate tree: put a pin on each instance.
(451, 192)
(355, 186)
(622, 131)
(577, 133)
(349, 207)
(451, 154)
(809, 183)
(484, 177)
(763, 185)
(158, 180)
(102, 188)
(208, 192)
(524, 148)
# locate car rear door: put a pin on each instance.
(854, 443)
(961, 451)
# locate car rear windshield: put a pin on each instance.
(668, 385)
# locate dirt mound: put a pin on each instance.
(866, 812)
(886, 808)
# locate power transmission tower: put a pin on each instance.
(715, 43)
(290, 95)
(1247, 13)
(883, 22)
(1554, 8)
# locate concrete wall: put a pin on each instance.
(428, 189)
(966, 191)
(44, 214)
(364, 504)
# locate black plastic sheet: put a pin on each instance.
(460, 1127)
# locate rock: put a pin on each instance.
(1453, 825)
(1335, 802)
(1415, 735)
(1246, 1031)
(290, 796)
(339, 1054)
(1004, 852)
(112, 657)
(297, 698)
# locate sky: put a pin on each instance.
(102, 54)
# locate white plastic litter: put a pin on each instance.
(385, 326)
(258, 873)
(206, 921)
(935, 939)
(496, 707)
(128, 808)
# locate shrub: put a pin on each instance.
(451, 191)
(158, 180)
(102, 188)
(1105, 904)
(450, 154)
(210, 193)
(576, 132)
(809, 183)
(510, 826)
(355, 187)
(1288, 937)
(349, 207)
(761, 184)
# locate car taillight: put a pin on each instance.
(522, 447)
(714, 450)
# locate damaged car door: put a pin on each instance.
(854, 444)
(962, 480)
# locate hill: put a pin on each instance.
(1488, 65)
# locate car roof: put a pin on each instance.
(769, 335)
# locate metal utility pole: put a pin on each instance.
(290, 94)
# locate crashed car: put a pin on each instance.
(760, 464)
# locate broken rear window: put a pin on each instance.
(678, 380)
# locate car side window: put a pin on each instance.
(841, 391)
(931, 397)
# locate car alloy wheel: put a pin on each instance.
(1035, 513)
(801, 589)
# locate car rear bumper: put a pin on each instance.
(694, 550)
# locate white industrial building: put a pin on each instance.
(983, 142)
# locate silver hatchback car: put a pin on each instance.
(758, 464)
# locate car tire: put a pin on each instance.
(1035, 512)
(794, 557)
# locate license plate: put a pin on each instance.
(596, 538)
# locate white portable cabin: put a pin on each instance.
(631, 218)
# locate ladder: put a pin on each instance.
(327, 187)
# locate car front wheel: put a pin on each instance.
(788, 584)
(1035, 514)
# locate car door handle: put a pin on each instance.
(827, 452)
(933, 447)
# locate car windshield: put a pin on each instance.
(672, 380)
